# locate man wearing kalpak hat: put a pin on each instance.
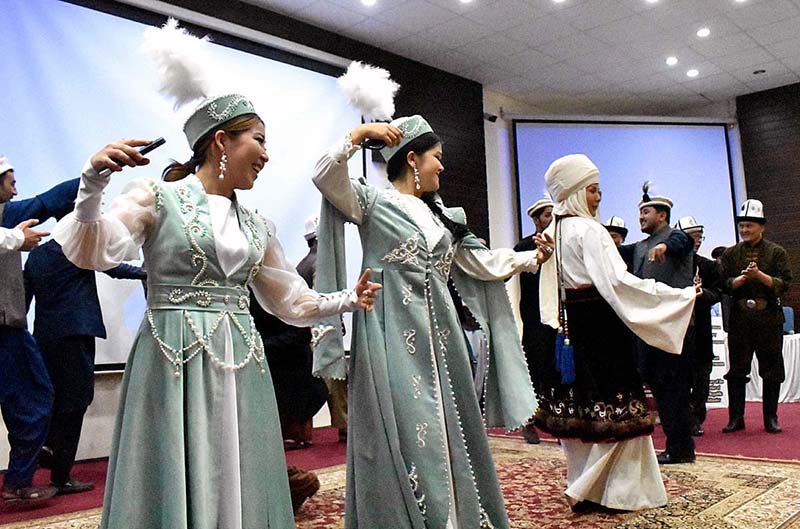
(756, 274)
(538, 339)
(616, 228)
(666, 256)
(706, 273)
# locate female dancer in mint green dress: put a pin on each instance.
(197, 442)
(417, 455)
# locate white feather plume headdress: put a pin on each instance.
(370, 89)
(182, 62)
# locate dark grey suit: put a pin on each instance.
(669, 375)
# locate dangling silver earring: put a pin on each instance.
(223, 164)
(416, 178)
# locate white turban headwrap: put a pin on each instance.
(566, 180)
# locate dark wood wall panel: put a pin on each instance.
(769, 123)
(453, 105)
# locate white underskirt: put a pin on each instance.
(622, 475)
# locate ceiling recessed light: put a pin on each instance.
(703, 32)
(369, 2)
(466, 1)
(652, 1)
(692, 73)
(672, 61)
(558, 1)
(759, 72)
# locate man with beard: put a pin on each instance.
(666, 256)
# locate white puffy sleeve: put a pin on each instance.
(655, 312)
(333, 180)
(100, 241)
(281, 291)
(491, 265)
(11, 239)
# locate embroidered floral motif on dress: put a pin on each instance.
(407, 252)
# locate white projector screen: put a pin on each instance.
(687, 162)
(76, 80)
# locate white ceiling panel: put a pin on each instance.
(456, 32)
(572, 46)
(413, 15)
(727, 45)
(744, 60)
(540, 31)
(777, 31)
(756, 14)
(586, 56)
(771, 69)
(503, 15)
(595, 13)
(785, 49)
(329, 15)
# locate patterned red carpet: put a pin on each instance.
(715, 492)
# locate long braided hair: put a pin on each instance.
(396, 168)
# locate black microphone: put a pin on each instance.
(144, 149)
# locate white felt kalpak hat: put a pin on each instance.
(312, 223)
(617, 225)
(653, 200)
(688, 225)
(539, 205)
(5, 165)
(752, 210)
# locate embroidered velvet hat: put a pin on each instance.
(185, 75)
(215, 112)
(412, 127)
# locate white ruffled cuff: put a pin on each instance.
(343, 149)
(338, 302)
(90, 194)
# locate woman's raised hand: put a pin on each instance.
(384, 132)
(118, 154)
(367, 291)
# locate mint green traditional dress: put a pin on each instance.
(197, 442)
(417, 453)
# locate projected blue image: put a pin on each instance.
(688, 163)
(70, 91)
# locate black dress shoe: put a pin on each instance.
(734, 425)
(665, 458)
(697, 430)
(771, 425)
(45, 457)
(530, 435)
(585, 507)
(72, 486)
